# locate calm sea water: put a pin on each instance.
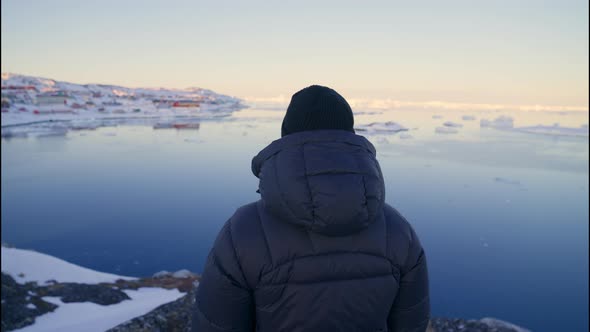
(503, 216)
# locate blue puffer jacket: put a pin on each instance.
(320, 251)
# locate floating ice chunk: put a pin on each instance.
(367, 113)
(501, 122)
(468, 117)
(390, 126)
(452, 124)
(555, 130)
(507, 181)
(405, 136)
(445, 130)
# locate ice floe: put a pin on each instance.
(468, 117)
(555, 130)
(501, 122)
(381, 127)
(507, 181)
(452, 124)
(445, 130)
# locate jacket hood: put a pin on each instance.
(328, 181)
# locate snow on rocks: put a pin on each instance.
(79, 299)
(162, 274)
(178, 274)
(94, 317)
(183, 274)
(502, 325)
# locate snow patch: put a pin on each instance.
(27, 265)
(182, 274)
(92, 317)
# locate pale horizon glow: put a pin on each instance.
(526, 55)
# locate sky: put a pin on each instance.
(516, 52)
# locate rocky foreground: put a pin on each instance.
(22, 303)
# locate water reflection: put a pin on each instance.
(502, 214)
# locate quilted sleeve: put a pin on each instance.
(224, 301)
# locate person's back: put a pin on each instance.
(320, 251)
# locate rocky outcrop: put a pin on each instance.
(482, 325)
(74, 292)
(21, 304)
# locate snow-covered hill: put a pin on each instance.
(32, 99)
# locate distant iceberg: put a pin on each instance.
(405, 136)
(502, 122)
(555, 130)
(452, 124)
(445, 130)
(468, 117)
(381, 127)
(507, 181)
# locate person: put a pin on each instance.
(320, 250)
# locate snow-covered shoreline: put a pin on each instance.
(32, 100)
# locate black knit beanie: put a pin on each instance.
(317, 107)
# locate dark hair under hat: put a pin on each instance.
(317, 107)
